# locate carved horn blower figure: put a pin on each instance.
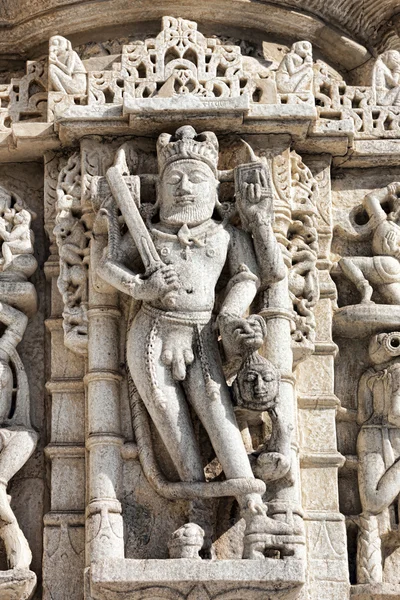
(180, 364)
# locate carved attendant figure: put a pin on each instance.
(19, 240)
(295, 73)
(381, 271)
(172, 347)
(386, 79)
(66, 71)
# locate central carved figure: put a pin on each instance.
(191, 257)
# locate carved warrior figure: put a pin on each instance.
(66, 71)
(184, 255)
(295, 72)
(386, 79)
(382, 271)
(378, 448)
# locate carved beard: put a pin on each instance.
(192, 214)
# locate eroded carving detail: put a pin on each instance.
(72, 241)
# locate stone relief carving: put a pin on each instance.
(295, 73)
(303, 248)
(17, 436)
(211, 287)
(180, 366)
(25, 98)
(66, 71)
(381, 272)
(72, 241)
(378, 453)
(385, 79)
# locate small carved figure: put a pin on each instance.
(66, 71)
(386, 78)
(184, 255)
(256, 389)
(378, 448)
(303, 277)
(17, 241)
(72, 243)
(295, 72)
(382, 270)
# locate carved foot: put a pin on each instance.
(19, 554)
(271, 466)
(265, 537)
(366, 292)
(186, 542)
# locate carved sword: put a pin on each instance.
(133, 219)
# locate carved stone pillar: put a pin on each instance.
(64, 532)
(317, 403)
(104, 526)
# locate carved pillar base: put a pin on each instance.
(375, 591)
(17, 584)
(196, 580)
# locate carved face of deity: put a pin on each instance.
(258, 385)
(187, 193)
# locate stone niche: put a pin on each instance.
(200, 339)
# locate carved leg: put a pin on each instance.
(390, 292)
(379, 486)
(7, 254)
(18, 552)
(354, 273)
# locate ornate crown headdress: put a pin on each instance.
(186, 144)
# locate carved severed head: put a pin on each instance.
(257, 384)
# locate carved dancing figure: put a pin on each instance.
(378, 447)
(382, 270)
(295, 72)
(172, 345)
(66, 71)
(386, 79)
